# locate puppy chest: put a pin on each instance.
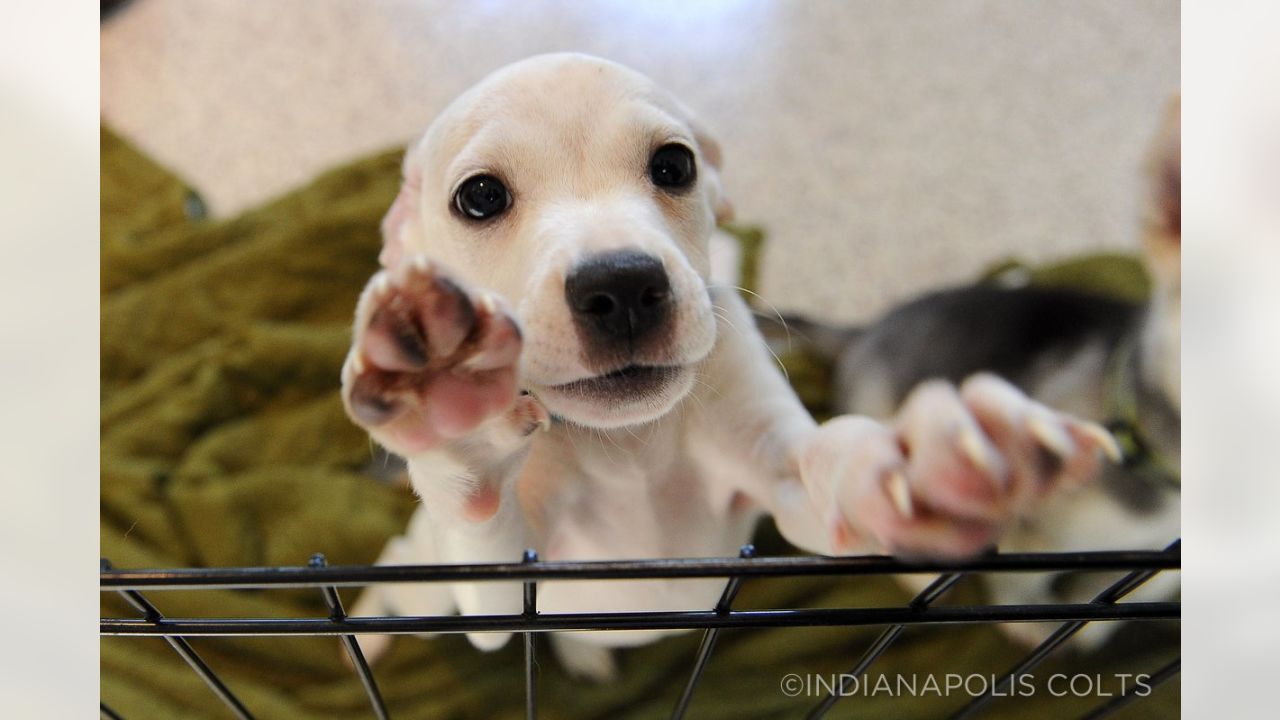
(623, 502)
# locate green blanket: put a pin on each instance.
(224, 444)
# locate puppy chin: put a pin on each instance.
(629, 397)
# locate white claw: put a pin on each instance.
(357, 364)
(1104, 439)
(1052, 436)
(381, 285)
(900, 493)
(421, 263)
(972, 446)
(488, 303)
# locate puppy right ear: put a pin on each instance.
(403, 213)
(709, 148)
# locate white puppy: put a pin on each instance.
(544, 349)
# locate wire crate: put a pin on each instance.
(1139, 566)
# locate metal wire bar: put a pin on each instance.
(108, 713)
(336, 612)
(1106, 598)
(184, 649)
(935, 589)
(709, 637)
(530, 672)
(789, 566)
(678, 620)
(1130, 695)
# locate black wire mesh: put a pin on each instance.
(1140, 566)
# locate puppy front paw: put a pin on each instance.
(951, 472)
(431, 361)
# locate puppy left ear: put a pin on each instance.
(404, 211)
(392, 227)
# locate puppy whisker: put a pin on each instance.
(723, 315)
(599, 438)
(774, 308)
(778, 360)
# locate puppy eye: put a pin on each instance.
(672, 167)
(482, 197)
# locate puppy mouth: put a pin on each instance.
(626, 383)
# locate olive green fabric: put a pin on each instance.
(1117, 275)
(223, 443)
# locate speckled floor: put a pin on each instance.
(887, 147)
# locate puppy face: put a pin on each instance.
(584, 196)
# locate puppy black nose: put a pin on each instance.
(619, 296)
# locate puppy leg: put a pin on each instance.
(464, 536)
(493, 541)
(585, 660)
(950, 474)
(432, 375)
(415, 547)
(951, 471)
